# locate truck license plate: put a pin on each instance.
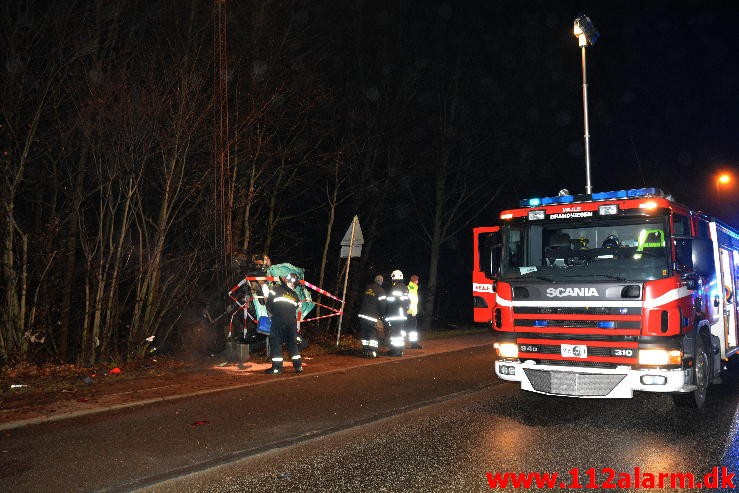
(574, 350)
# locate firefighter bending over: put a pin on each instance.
(282, 303)
(370, 315)
(396, 314)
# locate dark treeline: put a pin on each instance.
(108, 208)
(388, 110)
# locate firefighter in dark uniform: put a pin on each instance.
(282, 303)
(370, 315)
(396, 313)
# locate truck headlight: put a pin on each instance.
(660, 357)
(506, 349)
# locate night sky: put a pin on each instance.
(662, 83)
(663, 103)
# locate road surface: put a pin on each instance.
(123, 449)
(460, 444)
(440, 422)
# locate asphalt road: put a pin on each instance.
(125, 449)
(433, 423)
(452, 445)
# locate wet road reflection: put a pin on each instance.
(451, 446)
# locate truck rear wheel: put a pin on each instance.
(702, 377)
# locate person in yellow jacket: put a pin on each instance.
(412, 322)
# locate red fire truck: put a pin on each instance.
(604, 294)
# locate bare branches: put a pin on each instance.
(107, 140)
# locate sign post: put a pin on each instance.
(351, 246)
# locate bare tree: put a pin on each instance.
(38, 59)
(179, 122)
(119, 151)
(461, 184)
(277, 135)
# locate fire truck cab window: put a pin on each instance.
(702, 230)
(680, 225)
(683, 255)
(622, 248)
(489, 252)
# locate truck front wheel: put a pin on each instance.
(702, 376)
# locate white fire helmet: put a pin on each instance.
(396, 275)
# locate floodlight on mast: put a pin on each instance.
(587, 35)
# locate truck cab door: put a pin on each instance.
(729, 312)
(488, 251)
(486, 258)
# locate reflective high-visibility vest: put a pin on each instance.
(413, 297)
(650, 238)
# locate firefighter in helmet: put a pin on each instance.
(370, 317)
(283, 303)
(396, 313)
(611, 242)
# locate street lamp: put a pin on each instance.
(587, 35)
(721, 179)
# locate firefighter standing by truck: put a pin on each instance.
(370, 317)
(397, 313)
(412, 322)
(282, 303)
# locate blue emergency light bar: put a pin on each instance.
(632, 193)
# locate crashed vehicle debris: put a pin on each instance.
(250, 321)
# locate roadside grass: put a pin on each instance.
(32, 380)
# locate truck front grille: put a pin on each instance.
(578, 324)
(575, 310)
(577, 364)
(571, 383)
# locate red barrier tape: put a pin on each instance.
(336, 311)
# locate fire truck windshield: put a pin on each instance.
(621, 248)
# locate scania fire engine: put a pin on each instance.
(604, 294)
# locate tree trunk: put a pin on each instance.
(11, 324)
(246, 218)
(437, 239)
(110, 307)
(86, 356)
(332, 202)
(70, 268)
